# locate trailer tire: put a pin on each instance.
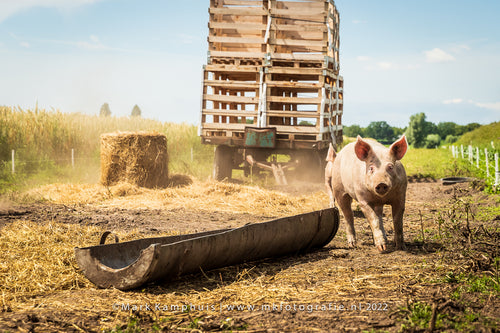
(223, 163)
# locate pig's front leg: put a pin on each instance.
(374, 216)
(398, 209)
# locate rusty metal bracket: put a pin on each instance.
(276, 168)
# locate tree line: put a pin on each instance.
(420, 133)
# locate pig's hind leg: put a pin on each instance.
(344, 201)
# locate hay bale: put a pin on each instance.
(138, 158)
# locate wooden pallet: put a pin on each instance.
(287, 30)
(272, 63)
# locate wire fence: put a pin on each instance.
(486, 161)
(72, 159)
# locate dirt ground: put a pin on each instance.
(335, 289)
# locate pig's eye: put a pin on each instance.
(371, 169)
(390, 167)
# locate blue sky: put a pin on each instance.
(398, 58)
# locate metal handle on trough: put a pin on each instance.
(105, 235)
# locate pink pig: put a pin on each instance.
(374, 176)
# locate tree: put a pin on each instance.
(417, 130)
(353, 131)
(432, 141)
(472, 126)
(398, 132)
(380, 130)
(446, 128)
(136, 112)
(105, 111)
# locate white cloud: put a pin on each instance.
(358, 21)
(453, 101)
(94, 44)
(490, 106)
(460, 48)
(11, 7)
(437, 55)
(25, 44)
(495, 106)
(362, 58)
(385, 65)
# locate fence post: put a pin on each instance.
(73, 158)
(13, 163)
(487, 163)
(497, 172)
(477, 157)
(462, 150)
(470, 154)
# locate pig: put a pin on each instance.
(374, 176)
(330, 157)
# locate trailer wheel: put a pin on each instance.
(223, 163)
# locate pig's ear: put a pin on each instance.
(330, 157)
(398, 148)
(362, 149)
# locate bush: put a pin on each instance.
(451, 139)
(432, 141)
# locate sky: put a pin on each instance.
(398, 58)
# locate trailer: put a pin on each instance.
(271, 85)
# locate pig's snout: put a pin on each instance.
(382, 188)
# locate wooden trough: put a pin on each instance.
(128, 265)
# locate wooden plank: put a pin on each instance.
(294, 100)
(231, 84)
(230, 113)
(231, 99)
(293, 114)
(301, 35)
(298, 56)
(295, 85)
(242, 2)
(236, 40)
(219, 126)
(295, 70)
(298, 42)
(246, 27)
(232, 68)
(240, 11)
(316, 27)
(281, 129)
(234, 54)
(271, 113)
(313, 14)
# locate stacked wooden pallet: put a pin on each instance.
(273, 63)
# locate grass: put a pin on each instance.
(483, 137)
(43, 140)
(435, 164)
